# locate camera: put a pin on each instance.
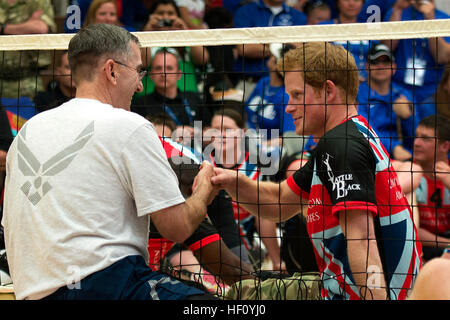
(165, 23)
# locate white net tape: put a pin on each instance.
(207, 37)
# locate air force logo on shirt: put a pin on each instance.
(37, 185)
(340, 183)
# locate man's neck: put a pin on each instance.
(90, 90)
(381, 87)
(345, 112)
(170, 93)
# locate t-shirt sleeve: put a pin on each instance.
(147, 172)
(347, 171)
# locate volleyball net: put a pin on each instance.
(268, 147)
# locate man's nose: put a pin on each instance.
(140, 87)
(290, 107)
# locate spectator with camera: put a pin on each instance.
(165, 16)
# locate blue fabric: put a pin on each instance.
(257, 14)
(426, 108)
(359, 50)
(128, 279)
(383, 5)
(417, 49)
(265, 108)
(231, 5)
(377, 109)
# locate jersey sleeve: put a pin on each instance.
(300, 181)
(202, 236)
(347, 171)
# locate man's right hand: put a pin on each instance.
(224, 178)
(202, 183)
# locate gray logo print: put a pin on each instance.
(38, 186)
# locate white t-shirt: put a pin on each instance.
(81, 181)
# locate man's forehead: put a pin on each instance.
(294, 79)
(425, 131)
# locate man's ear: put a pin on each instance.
(110, 71)
(445, 146)
(330, 90)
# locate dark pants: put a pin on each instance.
(129, 279)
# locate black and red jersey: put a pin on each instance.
(433, 200)
(350, 170)
(206, 233)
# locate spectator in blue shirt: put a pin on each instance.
(382, 103)
(383, 5)
(266, 104)
(252, 58)
(348, 13)
(419, 66)
(368, 11)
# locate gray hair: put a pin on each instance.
(94, 42)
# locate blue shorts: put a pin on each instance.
(128, 279)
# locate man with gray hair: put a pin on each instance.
(84, 179)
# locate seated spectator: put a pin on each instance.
(317, 12)
(348, 13)
(367, 11)
(132, 14)
(104, 11)
(265, 105)
(232, 151)
(418, 64)
(206, 247)
(19, 73)
(375, 7)
(60, 90)
(165, 16)
(431, 150)
(183, 107)
(252, 58)
(382, 102)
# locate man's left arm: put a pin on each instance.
(363, 255)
